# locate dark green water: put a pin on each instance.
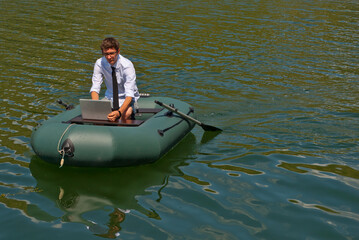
(280, 77)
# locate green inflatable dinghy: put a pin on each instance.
(67, 139)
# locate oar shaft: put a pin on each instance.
(175, 110)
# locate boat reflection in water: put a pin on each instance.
(93, 191)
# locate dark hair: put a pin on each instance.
(110, 43)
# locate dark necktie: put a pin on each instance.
(114, 89)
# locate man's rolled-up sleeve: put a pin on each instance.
(96, 78)
(130, 80)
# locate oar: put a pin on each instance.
(175, 110)
(68, 107)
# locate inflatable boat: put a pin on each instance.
(68, 139)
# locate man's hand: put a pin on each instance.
(113, 116)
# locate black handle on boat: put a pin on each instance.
(175, 110)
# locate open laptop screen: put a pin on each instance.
(95, 109)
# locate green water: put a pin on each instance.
(280, 77)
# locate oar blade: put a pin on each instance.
(210, 128)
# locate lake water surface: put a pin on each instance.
(280, 77)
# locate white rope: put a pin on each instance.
(62, 159)
(61, 151)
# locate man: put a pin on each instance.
(114, 66)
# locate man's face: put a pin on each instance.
(111, 55)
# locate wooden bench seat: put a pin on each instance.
(149, 110)
(118, 122)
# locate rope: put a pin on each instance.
(62, 151)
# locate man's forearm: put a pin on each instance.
(125, 104)
(95, 96)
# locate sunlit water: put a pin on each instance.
(280, 77)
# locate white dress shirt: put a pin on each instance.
(126, 78)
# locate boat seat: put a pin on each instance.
(149, 110)
(118, 122)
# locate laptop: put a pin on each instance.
(95, 109)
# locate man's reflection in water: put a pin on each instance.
(76, 205)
